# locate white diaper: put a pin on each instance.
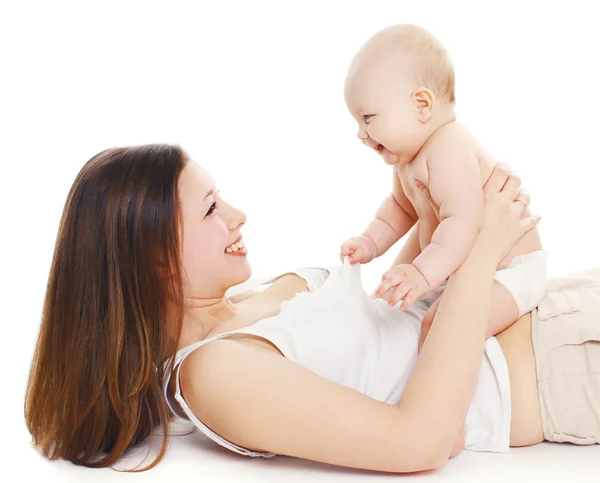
(524, 277)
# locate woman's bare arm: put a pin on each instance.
(262, 401)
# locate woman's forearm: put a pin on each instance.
(443, 382)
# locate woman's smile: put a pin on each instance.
(237, 248)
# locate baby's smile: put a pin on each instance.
(376, 147)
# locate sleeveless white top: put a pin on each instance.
(339, 332)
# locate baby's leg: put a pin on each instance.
(503, 313)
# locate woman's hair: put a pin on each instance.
(112, 313)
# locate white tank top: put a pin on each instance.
(338, 332)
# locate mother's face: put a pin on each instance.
(210, 227)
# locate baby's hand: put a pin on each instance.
(359, 249)
(409, 283)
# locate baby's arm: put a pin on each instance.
(409, 251)
(455, 187)
(391, 221)
(411, 248)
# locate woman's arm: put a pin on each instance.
(262, 401)
(444, 378)
(259, 400)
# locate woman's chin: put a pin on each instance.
(240, 268)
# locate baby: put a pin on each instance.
(400, 89)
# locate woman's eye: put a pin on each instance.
(212, 208)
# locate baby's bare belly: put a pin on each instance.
(526, 422)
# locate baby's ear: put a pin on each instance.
(424, 102)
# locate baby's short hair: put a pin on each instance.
(423, 56)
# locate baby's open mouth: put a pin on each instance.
(379, 148)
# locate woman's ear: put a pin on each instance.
(424, 102)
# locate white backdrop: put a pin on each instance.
(254, 92)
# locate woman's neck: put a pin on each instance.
(205, 317)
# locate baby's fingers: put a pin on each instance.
(390, 279)
(358, 255)
(347, 249)
(409, 298)
(399, 294)
(382, 288)
(388, 283)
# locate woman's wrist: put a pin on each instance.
(482, 255)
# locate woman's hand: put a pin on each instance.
(504, 223)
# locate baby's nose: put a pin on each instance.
(362, 134)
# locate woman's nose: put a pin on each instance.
(235, 218)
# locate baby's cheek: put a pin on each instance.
(381, 133)
(389, 138)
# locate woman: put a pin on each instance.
(145, 254)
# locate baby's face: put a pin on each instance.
(380, 100)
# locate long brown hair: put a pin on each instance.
(94, 389)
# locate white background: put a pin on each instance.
(254, 92)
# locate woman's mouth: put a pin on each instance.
(236, 247)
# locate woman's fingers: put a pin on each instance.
(524, 197)
(506, 218)
(529, 223)
(521, 202)
(496, 181)
(510, 189)
(507, 182)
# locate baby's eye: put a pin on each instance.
(366, 117)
